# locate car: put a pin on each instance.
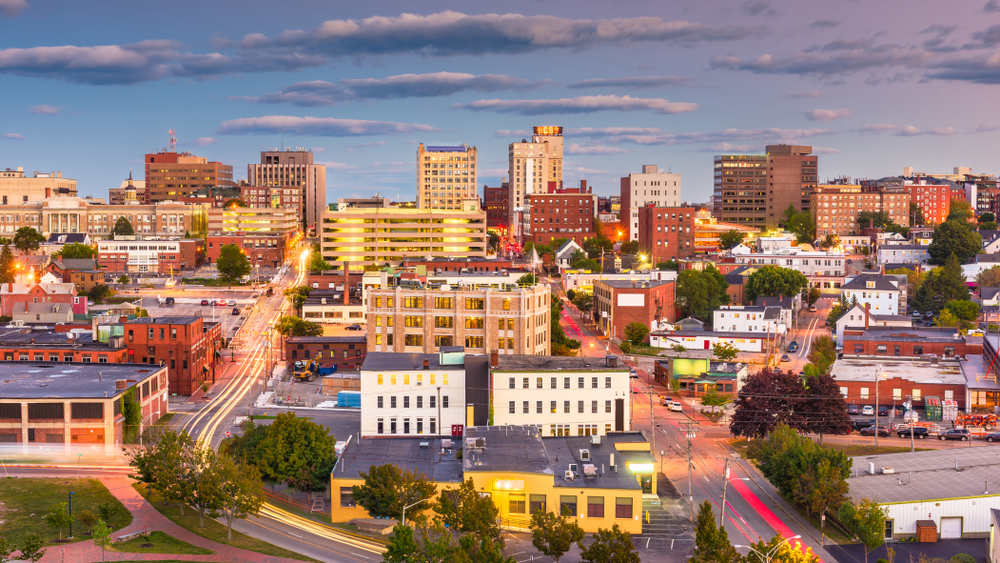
(982, 326)
(204, 302)
(955, 434)
(994, 437)
(794, 346)
(813, 309)
(916, 314)
(853, 409)
(221, 303)
(849, 261)
(236, 310)
(919, 432)
(975, 332)
(667, 401)
(883, 431)
(231, 302)
(90, 303)
(785, 358)
(883, 410)
(170, 301)
(354, 327)
(868, 410)
(674, 406)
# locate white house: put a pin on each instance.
(736, 318)
(825, 269)
(903, 254)
(855, 318)
(882, 293)
(705, 339)
(564, 253)
(561, 396)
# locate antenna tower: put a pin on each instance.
(173, 140)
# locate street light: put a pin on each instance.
(770, 554)
(412, 505)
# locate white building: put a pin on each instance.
(662, 189)
(736, 318)
(411, 394)
(903, 254)
(142, 254)
(576, 280)
(881, 293)
(704, 339)
(855, 318)
(825, 269)
(562, 396)
(564, 254)
(531, 167)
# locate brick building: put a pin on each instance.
(151, 255)
(84, 280)
(346, 352)
(13, 294)
(471, 264)
(837, 207)
(170, 175)
(901, 378)
(25, 345)
(260, 250)
(563, 213)
(909, 342)
(260, 197)
(188, 346)
(619, 302)
(667, 233)
(497, 207)
(934, 200)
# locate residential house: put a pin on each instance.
(881, 292)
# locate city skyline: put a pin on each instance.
(636, 83)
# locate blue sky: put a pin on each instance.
(88, 88)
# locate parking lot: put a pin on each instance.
(230, 322)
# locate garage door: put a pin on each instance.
(951, 527)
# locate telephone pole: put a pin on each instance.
(689, 433)
(725, 481)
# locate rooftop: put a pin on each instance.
(405, 361)
(165, 320)
(523, 362)
(927, 475)
(47, 380)
(906, 334)
(406, 453)
(882, 283)
(637, 284)
(916, 370)
(326, 339)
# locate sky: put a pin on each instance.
(87, 88)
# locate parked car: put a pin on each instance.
(813, 309)
(994, 437)
(853, 409)
(231, 302)
(916, 314)
(236, 310)
(221, 302)
(849, 261)
(204, 302)
(883, 410)
(883, 431)
(169, 301)
(676, 407)
(667, 401)
(785, 358)
(868, 410)
(354, 327)
(919, 432)
(793, 346)
(955, 434)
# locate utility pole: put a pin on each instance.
(878, 372)
(725, 481)
(690, 434)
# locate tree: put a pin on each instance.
(965, 311)
(779, 550)
(830, 241)
(840, 307)
(630, 247)
(827, 407)
(636, 332)
(800, 223)
(131, 410)
(386, 490)
(465, 510)
(988, 226)
(989, 277)
(699, 292)
(8, 266)
(58, 517)
(402, 548)
(494, 243)
(88, 519)
(30, 549)
(232, 263)
(813, 296)
(679, 348)
(123, 227)
(26, 239)
(960, 210)
(711, 542)
(612, 545)
(713, 399)
(767, 399)
(296, 451)
(770, 281)
(730, 238)
(240, 492)
(294, 326)
(581, 261)
(75, 250)
(822, 486)
(527, 279)
(823, 352)
(172, 466)
(102, 537)
(317, 264)
(207, 483)
(298, 296)
(583, 301)
(668, 265)
(914, 279)
(954, 237)
(554, 535)
(916, 214)
(725, 351)
(947, 319)
(987, 217)
(877, 219)
(99, 293)
(865, 520)
(235, 202)
(941, 286)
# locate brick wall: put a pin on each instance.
(886, 387)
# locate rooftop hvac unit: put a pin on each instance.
(480, 443)
(425, 444)
(568, 475)
(888, 471)
(446, 443)
(595, 440)
(589, 470)
(584, 455)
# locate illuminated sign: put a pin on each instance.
(640, 467)
(508, 485)
(548, 130)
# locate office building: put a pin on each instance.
(620, 302)
(171, 175)
(708, 230)
(666, 233)
(755, 190)
(791, 177)
(263, 197)
(134, 254)
(446, 176)
(373, 231)
(933, 199)
(497, 207)
(260, 249)
(836, 207)
(293, 168)
(412, 317)
(252, 221)
(662, 189)
(189, 346)
(16, 188)
(560, 214)
(532, 168)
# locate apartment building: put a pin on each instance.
(497, 209)
(836, 207)
(755, 190)
(880, 293)
(189, 347)
(561, 396)
(532, 168)
(17, 295)
(561, 214)
(620, 302)
(446, 176)
(708, 230)
(418, 318)
(371, 231)
(294, 169)
(667, 233)
(16, 188)
(134, 254)
(171, 175)
(933, 199)
(651, 187)
(263, 197)
(825, 269)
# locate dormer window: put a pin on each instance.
(870, 285)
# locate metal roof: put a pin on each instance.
(58, 380)
(927, 475)
(529, 363)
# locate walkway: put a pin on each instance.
(145, 516)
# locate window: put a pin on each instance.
(916, 395)
(593, 383)
(567, 505)
(579, 406)
(525, 407)
(381, 426)
(433, 401)
(595, 507)
(536, 503)
(378, 401)
(474, 341)
(442, 303)
(392, 426)
(524, 382)
(949, 394)
(512, 407)
(443, 340)
(623, 507)
(474, 304)
(607, 383)
(347, 493)
(444, 322)
(392, 379)
(553, 408)
(538, 407)
(864, 392)
(565, 406)
(406, 426)
(413, 302)
(406, 379)
(413, 321)
(511, 384)
(413, 340)
(565, 383)
(552, 383)
(516, 503)
(607, 406)
(897, 394)
(579, 382)
(593, 407)
(444, 402)
(392, 402)
(474, 322)
(406, 402)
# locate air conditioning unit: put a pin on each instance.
(568, 475)
(888, 471)
(584, 455)
(595, 440)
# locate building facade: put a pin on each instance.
(171, 175)
(532, 167)
(16, 188)
(661, 189)
(252, 221)
(497, 209)
(13, 295)
(620, 302)
(880, 293)
(934, 200)
(293, 168)
(260, 249)
(77, 215)
(188, 346)
(740, 189)
(446, 176)
(134, 254)
(347, 352)
(667, 233)
(836, 207)
(561, 214)
(263, 197)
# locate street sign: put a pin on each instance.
(228, 434)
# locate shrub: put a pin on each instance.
(962, 558)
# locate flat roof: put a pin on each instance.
(907, 334)
(525, 362)
(59, 380)
(927, 475)
(405, 361)
(178, 320)
(406, 453)
(327, 339)
(40, 339)
(915, 370)
(637, 284)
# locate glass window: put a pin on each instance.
(593, 383)
(379, 401)
(537, 503)
(347, 497)
(595, 507)
(524, 382)
(444, 402)
(512, 407)
(567, 505)
(579, 406)
(511, 384)
(516, 503)
(623, 507)
(607, 382)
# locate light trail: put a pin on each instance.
(315, 528)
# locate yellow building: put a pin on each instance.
(600, 480)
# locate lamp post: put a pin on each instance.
(410, 506)
(71, 493)
(770, 554)
(690, 434)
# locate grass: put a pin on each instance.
(214, 530)
(159, 542)
(211, 283)
(26, 501)
(850, 450)
(644, 350)
(168, 417)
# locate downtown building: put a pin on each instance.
(64, 215)
(497, 206)
(661, 189)
(532, 168)
(446, 176)
(171, 175)
(667, 233)
(17, 188)
(755, 190)
(292, 169)
(560, 214)
(836, 208)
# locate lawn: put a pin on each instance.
(168, 417)
(159, 542)
(25, 501)
(214, 530)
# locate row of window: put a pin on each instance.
(417, 302)
(553, 407)
(553, 382)
(418, 429)
(419, 378)
(897, 394)
(521, 503)
(39, 357)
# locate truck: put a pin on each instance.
(313, 369)
(970, 421)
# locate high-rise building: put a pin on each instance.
(837, 207)
(293, 168)
(662, 189)
(171, 175)
(445, 176)
(16, 188)
(532, 168)
(497, 207)
(755, 189)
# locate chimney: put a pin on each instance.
(867, 314)
(427, 364)
(347, 280)
(121, 384)
(494, 359)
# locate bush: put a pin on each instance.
(961, 558)
(882, 560)
(625, 346)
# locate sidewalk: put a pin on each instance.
(144, 516)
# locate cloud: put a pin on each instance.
(822, 24)
(847, 57)
(318, 126)
(983, 128)
(992, 6)
(978, 69)
(827, 115)
(337, 166)
(107, 64)
(504, 133)
(44, 110)
(577, 148)
(825, 150)
(732, 148)
(582, 104)
(657, 136)
(810, 94)
(14, 137)
(203, 141)
(583, 170)
(633, 82)
(875, 128)
(11, 8)
(758, 7)
(911, 131)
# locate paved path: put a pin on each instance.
(145, 516)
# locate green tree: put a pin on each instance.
(30, 549)
(822, 486)
(612, 545)
(988, 226)
(123, 279)
(494, 243)
(87, 519)
(947, 319)
(813, 296)
(699, 292)
(232, 263)
(941, 286)
(840, 307)
(877, 219)
(830, 241)
(234, 202)
(679, 348)
(711, 542)
(954, 237)
(581, 261)
(26, 239)
(987, 217)
(298, 296)
(317, 264)
(554, 535)
(823, 352)
(800, 223)
(713, 399)
(206, 483)
(293, 445)
(75, 250)
(779, 550)
(913, 279)
(241, 491)
(730, 238)
(294, 326)
(173, 465)
(99, 293)
(630, 247)
(402, 548)
(58, 517)
(636, 332)
(387, 489)
(123, 227)
(668, 265)
(465, 510)
(725, 351)
(916, 214)
(966, 311)
(865, 520)
(131, 409)
(770, 281)
(102, 537)
(527, 279)
(8, 266)
(583, 301)
(960, 210)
